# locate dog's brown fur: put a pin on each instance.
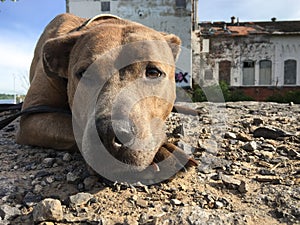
(62, 52)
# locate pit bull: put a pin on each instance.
(133, 68)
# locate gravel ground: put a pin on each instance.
(249, 173)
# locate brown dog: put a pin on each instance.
(133, 69)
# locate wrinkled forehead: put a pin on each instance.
(135, 44)
(145, 51)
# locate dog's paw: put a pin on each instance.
(174, 156)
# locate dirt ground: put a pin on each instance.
(248, 173)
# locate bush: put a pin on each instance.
(199, 94)
(290, 96)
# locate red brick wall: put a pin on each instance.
(262, 93)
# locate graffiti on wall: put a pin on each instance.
(182, 78)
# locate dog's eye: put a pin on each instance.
(153, 73)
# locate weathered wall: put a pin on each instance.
(255, 48)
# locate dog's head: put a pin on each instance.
(125, 72)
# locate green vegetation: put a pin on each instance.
(213, 94)
(291, 96)
(6, 96)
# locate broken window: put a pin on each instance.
(224, 71)
(208, 74)
(265, 72)
(181, 4)
(290, 71)
(105, 6)
(248, 72)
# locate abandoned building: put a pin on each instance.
(259, 58)
(170, 16)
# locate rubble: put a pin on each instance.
(248, 173)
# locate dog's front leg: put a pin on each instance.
(52, 130)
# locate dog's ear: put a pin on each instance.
(56, 54)
(174, 43)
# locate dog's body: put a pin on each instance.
(65, 51)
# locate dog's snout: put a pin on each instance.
(124, 132)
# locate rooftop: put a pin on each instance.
(236, 28)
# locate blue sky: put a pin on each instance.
(22, 22)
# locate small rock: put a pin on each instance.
(89, 182)
(266, 172)
(31, 199)
(175, 202)
(37, 188)
(7, 212)
(230, 182)
(219, 205)
(49, 161)
(72, 178)
(80, 198)
(270, 133)
(209, 146)
(46, 223)
(250, 146)
(267, 154)
(50, 180)
(271, 179)
(230, 135)
(48, 209)
(143, 218)
(243, 137)
(67, 157)
(243, 187)
(142, 203)
(186, 148)
(257, 122)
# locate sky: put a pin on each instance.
(22, 22)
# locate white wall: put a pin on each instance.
(275, 48)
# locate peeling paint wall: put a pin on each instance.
(254, 48)
(162, 15)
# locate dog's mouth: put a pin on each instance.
(119, 147)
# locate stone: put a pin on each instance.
(46, 223)
(257, 122)
(186, 147)
(243, 187)
(219, 205)
(89, 182)
(209, 162)
(230, 182)
(230, 135)
(175, 202)
(243, 137)
(49, 161)
(7, 212)
(80, 198)
(31, 199)
(270, 133)
(67, 157)
(72, 178)
(38, 188)
(142, 203)
(143, 219)
(210, 146)
(250, 146)
(269, 178)
(48, 210)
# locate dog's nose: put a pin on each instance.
(124, 131)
